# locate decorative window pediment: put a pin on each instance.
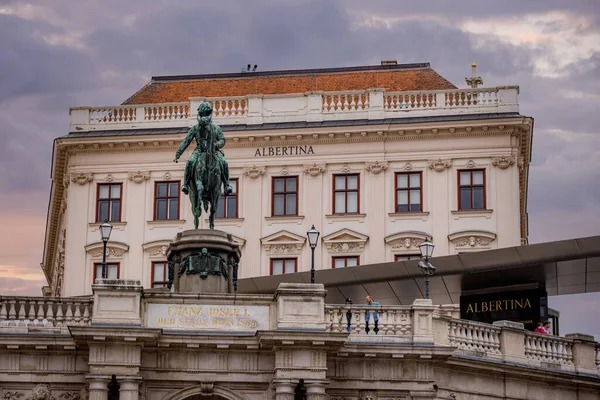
(345, 241)
(157, 248)
(113, 249)
(283, 242)
(472, 240)
(406, 242)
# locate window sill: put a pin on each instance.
(345, 217)
(284, 219)
(166, 223)
(119, 226)
(402, 216)
(472, 214)
(227, 221)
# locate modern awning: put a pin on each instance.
(562, 267)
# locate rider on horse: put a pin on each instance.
(201, 132)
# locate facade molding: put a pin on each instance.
(315, 169)
(345, 241)
(283, 243)
(376, 167)
(406, 242)
(113, 249)
(472, 240)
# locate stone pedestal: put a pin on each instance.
(203, 261)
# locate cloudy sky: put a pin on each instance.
(55, 54)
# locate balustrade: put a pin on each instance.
(550, 349)
(112, 115)
(293, 107)
(166, 112)
(45, 311)
(408, 100)
(472, 97)
(346, 101)
(473, 336)
(392, 321)
(234, 106)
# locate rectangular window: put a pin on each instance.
(342, 262)
(160, 276)
(112, 271)
(166, 201)
(108, 207)
(409, 191)
(345, 194)
(406, 257)
(285, 196)
(228, 204)
(283, 265)
(471, 190)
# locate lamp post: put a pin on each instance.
(313, 238)
(105, 230)
(426, 249)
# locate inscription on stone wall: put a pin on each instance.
(208, 317)
(283, 151)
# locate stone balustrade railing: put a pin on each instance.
(391, 321)
(311, 107)
(474, 336)
(45, 311)
(549, 349)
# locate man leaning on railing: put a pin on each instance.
(371, 302)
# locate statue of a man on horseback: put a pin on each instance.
(206, 169)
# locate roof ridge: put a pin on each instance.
(291, 72)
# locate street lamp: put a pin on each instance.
(313, 238)
(426, 249)
(105, 230)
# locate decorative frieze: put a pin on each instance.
(283, 243)
(315, 169)
(440, 165)
(41, 392)
(138, 177)
(254, 172)
(406, 242)
(475, 240)
(376, 167)
(471, 164)
(367, 395)
(12, 395)
(345, 241)
(503, 162)
(113, 250)
(82, 178)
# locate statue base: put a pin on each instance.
(203, 261)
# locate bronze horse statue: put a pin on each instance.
(206, 169)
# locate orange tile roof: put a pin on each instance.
(400, 77)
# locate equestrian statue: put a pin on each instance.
(206, 170)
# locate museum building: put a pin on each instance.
(377, 158)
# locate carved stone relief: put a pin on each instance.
(440, 165)
(345, 169)
(367, 395)
(284, 171)
(346, 247)
(12, 395)
(471, 164)
(314, 169)
(109, 178)
(110, 252)
(138, 177)
(408, 167)
(41, 392)
(503, 162)
(82, 178)
(376, 167)
(166, 177)
(254, 172)
(472, 239)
